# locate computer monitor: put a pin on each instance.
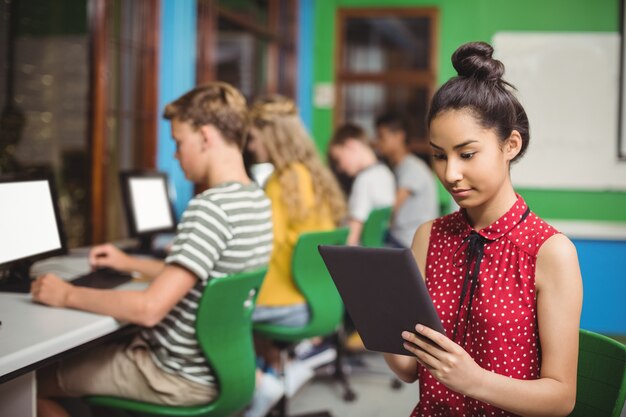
(30, 228)
(147, 206)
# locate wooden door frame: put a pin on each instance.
(97, 16)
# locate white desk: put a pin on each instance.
(31, 333)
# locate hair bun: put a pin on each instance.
(474, 59)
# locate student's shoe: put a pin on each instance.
(296, 375)
(269, 391)
(319, 355)
(305, 346)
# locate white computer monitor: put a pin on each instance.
(147, 204)
(30, 228)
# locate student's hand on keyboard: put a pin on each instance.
(51, 290)
(108, 256)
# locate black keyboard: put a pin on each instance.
(103, 278)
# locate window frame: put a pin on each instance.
(98, 12)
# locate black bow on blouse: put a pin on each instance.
(475, 252)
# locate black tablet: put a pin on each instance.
(384, 293)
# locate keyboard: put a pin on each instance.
(103, 278)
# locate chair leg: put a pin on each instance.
(358, 365)
(340, 375)
(280, 409)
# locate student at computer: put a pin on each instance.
(305, 197)
(224, 230)
(374, 185)
(506, 284)
(416, 195)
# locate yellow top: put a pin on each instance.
(278, 288)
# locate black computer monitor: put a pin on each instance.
(30, 228)
(147, 206)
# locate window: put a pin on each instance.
(78, 100)
(249, 44)
(44, 95)
(387, 62)
(126, 138)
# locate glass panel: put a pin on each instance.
(241, 59)
(287, 22)
(375, 44)
(362, 103)
(128, 30)
(44, 101)
(255, 11)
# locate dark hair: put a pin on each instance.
(218, 104)
(349, 131)
(479, 87)
(394, 122)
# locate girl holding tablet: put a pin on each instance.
(506, 284)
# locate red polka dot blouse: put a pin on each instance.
(483, 286)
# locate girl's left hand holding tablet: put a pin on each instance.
(448, 362)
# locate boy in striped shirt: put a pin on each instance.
(225, 230)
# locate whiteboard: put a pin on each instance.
(622, 133)
(569, 85)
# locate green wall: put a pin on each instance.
(461, 21)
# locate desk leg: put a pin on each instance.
(18, 396)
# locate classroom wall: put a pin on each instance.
(467, 20)
(177, 74)
(460, 21)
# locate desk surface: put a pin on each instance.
(32, 332)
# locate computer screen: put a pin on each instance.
(147, 204)
(30, 225)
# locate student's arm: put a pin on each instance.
(287, 230)
(559, 302)
(405, 367)
(356, 228)
(109, 256)
(150, 306)
(280, 219)
(145, 308)
(401, 196)
(360, 204)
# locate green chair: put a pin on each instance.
(325, 305)
(224, 330)
(444, 199)
(601, 382)
(375, 227)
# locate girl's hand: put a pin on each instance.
(448, 362)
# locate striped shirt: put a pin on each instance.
(224, 230)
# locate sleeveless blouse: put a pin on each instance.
(496, 322)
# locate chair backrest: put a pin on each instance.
(601, 383)
(224, 331)
(375, 227)
(314, 281)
